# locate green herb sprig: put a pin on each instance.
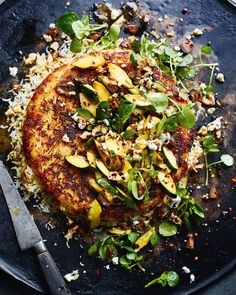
(167, 278)
(210, 146)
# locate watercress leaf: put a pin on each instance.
(85, 19)
(65, 21)
(188, 59)
(198, 210)
(114, 33)
(92, 249)
(206, 50)
(132, 237)
(154, 239)
(102, 251)
(158, 100)
(75, 45)
(187, 223)
(172, 278)
(84, 113)
(186, 117)
(80, 29)
(131, 256)
(128, 133)
(104, 105)
(124, 261)
(227, 160)
(208, 141)
(170, 52)
(167, 228)
(124, 111)
(162, 280)
(171, 123)
(133, 58)
(209, 89)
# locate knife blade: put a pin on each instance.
(28, 235)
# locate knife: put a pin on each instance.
(28, 235)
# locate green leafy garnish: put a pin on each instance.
(210, 146)
(123, 115)
(108, 186)
(167, 228)
(75, 45)
(114, 33)
(65, 22)
(167, 278)
(189, 209)
(206, 50)
(128, 133)
(84, 113)
(158, 100)
(186, 117)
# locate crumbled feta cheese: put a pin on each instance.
(152, 146)
(135, 222)
(47, 38)
(13, 71)
(215, 125)
(195, 153)
(107, 266)
(192, 278)
(115, 260)
(82, 125)
(74, 275)
(106, 122)
(186, 269)
(31, 58)
(115, 13)
(85, 135)
(220, 77)
(54, 45)
(210, 111)
(197, 32)
(173, 202)
(65, 138)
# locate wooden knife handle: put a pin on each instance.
(52, 275)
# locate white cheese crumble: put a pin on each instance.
(185, 269)
(194, 156)
(220, 77)
(13, 71)
(65, 138)
(115, 260)
(74, 275)
(215, 125)
(192, 278)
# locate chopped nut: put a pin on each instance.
(213, 192)
(132, 29)
(190, 242)
(53, 32)
(47, 38)
(65, 138)
(187, 46)
(203, 130)
(54, 45)
(209, 100)
(218, 134)
(145, 19)
(31, 58)
(233, 180)
(197, 32)
(95, 36)
(176, 219)
(195, 95)
(210, 111)
(170, 34)
(205, 197)
(85, 135)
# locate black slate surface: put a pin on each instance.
(21, 25)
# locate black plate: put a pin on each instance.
(21, 25)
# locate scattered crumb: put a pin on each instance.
(13, 71)
(74, 275)
(220, 77)
(197, 32)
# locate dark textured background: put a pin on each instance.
(21, 24)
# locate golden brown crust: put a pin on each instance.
(48, 120)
